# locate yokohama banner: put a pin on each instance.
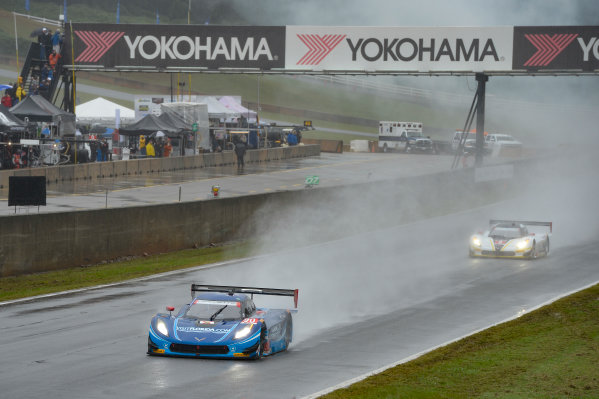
(371, 49)
(501, 50)
(538, 48)
(183, 46)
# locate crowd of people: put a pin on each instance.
(43, 70)
(152, 147)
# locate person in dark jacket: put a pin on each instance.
(240, 149)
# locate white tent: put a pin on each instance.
(232, 103)
(216, 109)
(101, 110)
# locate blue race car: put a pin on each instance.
(223, 322)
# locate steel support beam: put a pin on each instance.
(480, 118)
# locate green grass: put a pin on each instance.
(111, 272)
(549, 353)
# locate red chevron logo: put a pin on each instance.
(548, 47)
(318, 47)
(98, 43)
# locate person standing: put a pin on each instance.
(167, 148)
(56, 41)
(240, 149)
(150, 152)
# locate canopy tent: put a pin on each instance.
(231, 103)
(10, 123)
(37, 109)
(175, 120)
(148, 125)
(194, 115)
(216, 109)
(101, 110)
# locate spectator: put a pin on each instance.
(21, 93)
(46, 72)
(142, 146)
(57, 41)
(104, 149)
(45, 41)
(34, 85)
(240, 149)
(6, 99)
(150, 148)
(13, 94)
(168, 148)
(53, 59)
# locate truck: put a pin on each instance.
(403, 136)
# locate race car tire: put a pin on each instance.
(533, 251)
(547, 247)
(288, 332)
(262, 342)
(385, 148)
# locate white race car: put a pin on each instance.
(511, 239)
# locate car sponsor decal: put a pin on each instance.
(204, 330)
(249, 321)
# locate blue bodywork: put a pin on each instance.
(242, 331)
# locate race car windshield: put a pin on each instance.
(507, 233)
(214, 310)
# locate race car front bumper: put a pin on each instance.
(247, 348)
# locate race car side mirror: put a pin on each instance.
(170, 309)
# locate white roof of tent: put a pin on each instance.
(100, 110)
(231, 103)
(216, 109)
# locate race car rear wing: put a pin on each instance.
(526, 223)
(245, 290)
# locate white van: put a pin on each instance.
(502, 140)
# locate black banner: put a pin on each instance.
(26, 190)
(183, 46)
(542, 48)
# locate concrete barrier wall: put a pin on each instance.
(36, 243)
(326, 145)
(133, 167)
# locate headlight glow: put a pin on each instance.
(523, 244)
(161, 327)
(476, 241)
(243, 332)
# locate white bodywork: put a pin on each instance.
(511, 239)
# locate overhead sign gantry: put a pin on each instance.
(321, 50)
(505, 50)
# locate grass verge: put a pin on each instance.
(16, 287)
(552, 352)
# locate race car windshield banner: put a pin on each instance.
(192, 46)
(539, 48)
(399, 48)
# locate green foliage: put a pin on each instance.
(549, 353)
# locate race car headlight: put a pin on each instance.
(476, 241)
(243, 332)
(523, 244)
(161, 327)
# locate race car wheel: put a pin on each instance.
(262, 344)
(547, 247)
(385, 148)
(533, 251)
(288, 332)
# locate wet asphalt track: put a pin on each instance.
(365, 301)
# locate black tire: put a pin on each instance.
(533, 251)
(288, 332)
(262, 343)
(547, 247)
(385, 148)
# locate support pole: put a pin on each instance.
(480, 118)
